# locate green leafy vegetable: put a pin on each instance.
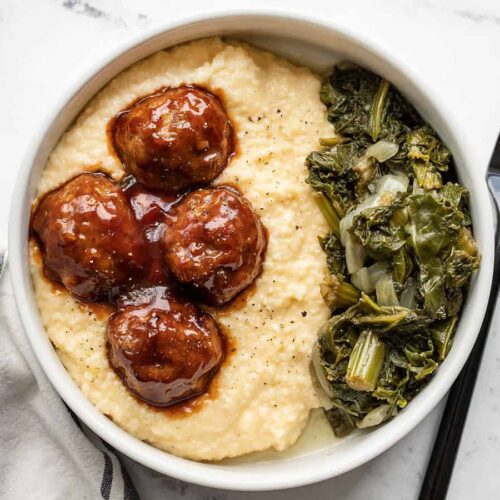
(377, 109)
(331, 172)
(328, 212)
(402, 266)
(433, 226)
(331, 141)
(337, 293)
(400, 250)
(365, 362)
(335, 254)
(432, 287)
(365, 170)
(455, 194)
(367, 366)
(363, 105)
(462, 260)
(442, 335)
(421, 359)
(376, 233)
(444, 248)
(428, 157)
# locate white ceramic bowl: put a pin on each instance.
(317, 44)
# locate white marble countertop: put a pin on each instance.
(46, 45)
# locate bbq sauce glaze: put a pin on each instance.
(153, 210)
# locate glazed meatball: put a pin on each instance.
(164, 348)
(215, 243)
(90, 240)
(174, 139)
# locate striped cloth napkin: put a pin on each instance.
(45, 452)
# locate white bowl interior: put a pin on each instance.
(317, 46)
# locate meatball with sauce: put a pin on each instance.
(215, 243)
(174, 139)
(164, 348)
(90, 240)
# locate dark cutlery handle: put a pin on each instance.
(440, 466)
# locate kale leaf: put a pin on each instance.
(444, 248)
(335, 254)
(375, 230)
(331, 172)
(428, 156)
(409, 360)
(433, 225)
(374, 359)
(364, 105)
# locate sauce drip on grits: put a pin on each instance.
(264, 392)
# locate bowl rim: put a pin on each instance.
(202, 473)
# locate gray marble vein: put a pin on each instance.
(84, 8)
(474, 16)
(470, 15)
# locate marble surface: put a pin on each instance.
(46, 45)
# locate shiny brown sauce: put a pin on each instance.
(163, 346)
(215, 244)
(189, 406)
(194, 381)
(153, 211)
(234, 149)
(90, 239)
(174, 139)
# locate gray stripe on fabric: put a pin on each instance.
(129, 490)
(107, 477)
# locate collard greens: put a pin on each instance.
(400, 252)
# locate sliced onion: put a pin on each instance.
(367, 277)
(361, 280)
(355, 254)
(386, 293)
(382, 150)
(375, 417)
(416, 188)
(393, 183)
(363, 163)
(346, 222)
(409, 294)
(386, 184)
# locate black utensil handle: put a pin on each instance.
(440, 466)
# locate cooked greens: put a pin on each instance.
(400, 250)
